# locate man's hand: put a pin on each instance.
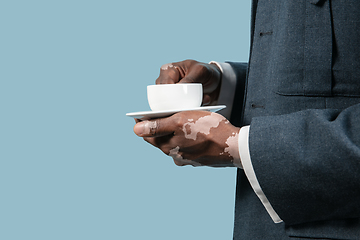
(190, 71)
(193, 138)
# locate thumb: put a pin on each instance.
(153, 128)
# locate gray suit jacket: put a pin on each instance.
(302, 101)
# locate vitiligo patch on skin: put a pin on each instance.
(233, 147)
(174, 153)
(166, 66)
(149, 126)
(202, 125)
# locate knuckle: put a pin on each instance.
(178, 163)
(190, 61)
(180, 120)
(150, 141)
(166, 66)
(166, 151)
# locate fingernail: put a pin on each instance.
(139, 128)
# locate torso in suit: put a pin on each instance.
(302, 95)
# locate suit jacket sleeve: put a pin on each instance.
(308, 163)
(306, 160)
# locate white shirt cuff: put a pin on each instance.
(250, 173)
(226, 97)
(227, 90)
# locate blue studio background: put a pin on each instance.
(70, 165)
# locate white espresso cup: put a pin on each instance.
(180, 96)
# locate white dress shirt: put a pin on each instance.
(226, 97)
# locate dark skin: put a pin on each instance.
(192, 137)
(191, 71)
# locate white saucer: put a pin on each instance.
(158, 114)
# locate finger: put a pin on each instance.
(205, 74)
(186, 163)
(154, 128)
(191, 77)
(169, 74)
(178, 160)
(206, 100)
(163, 143)
(179, 163)
(199, 73)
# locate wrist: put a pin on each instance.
(232, 148)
